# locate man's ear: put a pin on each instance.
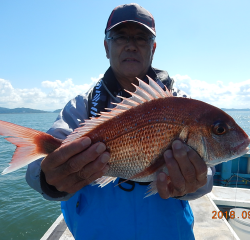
(154, 47)
(106, 48)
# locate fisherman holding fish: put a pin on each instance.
(66, 174)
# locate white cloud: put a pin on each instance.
(55, 94)
(231, 95)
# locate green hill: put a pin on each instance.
(57, 111)
(20, 110)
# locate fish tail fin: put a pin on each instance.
(30, 144)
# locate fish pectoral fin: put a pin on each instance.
(184, 134)
(152, 189)
(200, 145)
(103, 181)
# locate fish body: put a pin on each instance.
(139, 130)
(139, 136)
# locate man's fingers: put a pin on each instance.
(199, 165)
(83, 177)
(77, 162)
(162, 183)
(78, 185)
(187, 171)
(63, 153)
(98, 165)
(175, 173)
(180, 152)
(72, 183)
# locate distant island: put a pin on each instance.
(57, 111)
(235, 109)
(24, 110)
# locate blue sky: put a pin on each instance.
(50, 47)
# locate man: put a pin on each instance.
(119, 212)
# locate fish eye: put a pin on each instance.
(219, 128)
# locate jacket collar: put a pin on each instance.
(114, 86)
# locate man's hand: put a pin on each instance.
(187, 172)
(75, 165)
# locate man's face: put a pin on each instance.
(129, 60)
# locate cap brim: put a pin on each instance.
(150, 29)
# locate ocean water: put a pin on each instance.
(24, 214)
(242, 118)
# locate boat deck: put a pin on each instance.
(205, 227)
(58, 231)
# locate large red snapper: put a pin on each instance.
(138, 131)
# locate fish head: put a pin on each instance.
(217, 137)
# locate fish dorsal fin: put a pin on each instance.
(144, 93)
(155, 86)
(129, 101)
(147, 88)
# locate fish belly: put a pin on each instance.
(133, 152)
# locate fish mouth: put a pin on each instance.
(238, 151)
(242, 148)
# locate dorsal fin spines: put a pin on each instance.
(128, 101)
(144, 93)
(114, 111)
(153, 92)
(93, 121)
(122, 106)
(106, 115)
(170, 94)
(136, 97)
(155, 86)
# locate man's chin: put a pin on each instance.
(132, 72)
(132, 75)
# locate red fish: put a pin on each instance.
(138, 131)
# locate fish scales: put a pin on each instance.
(145, 133)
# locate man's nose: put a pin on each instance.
(131, 45)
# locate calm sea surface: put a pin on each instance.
(24, 214)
